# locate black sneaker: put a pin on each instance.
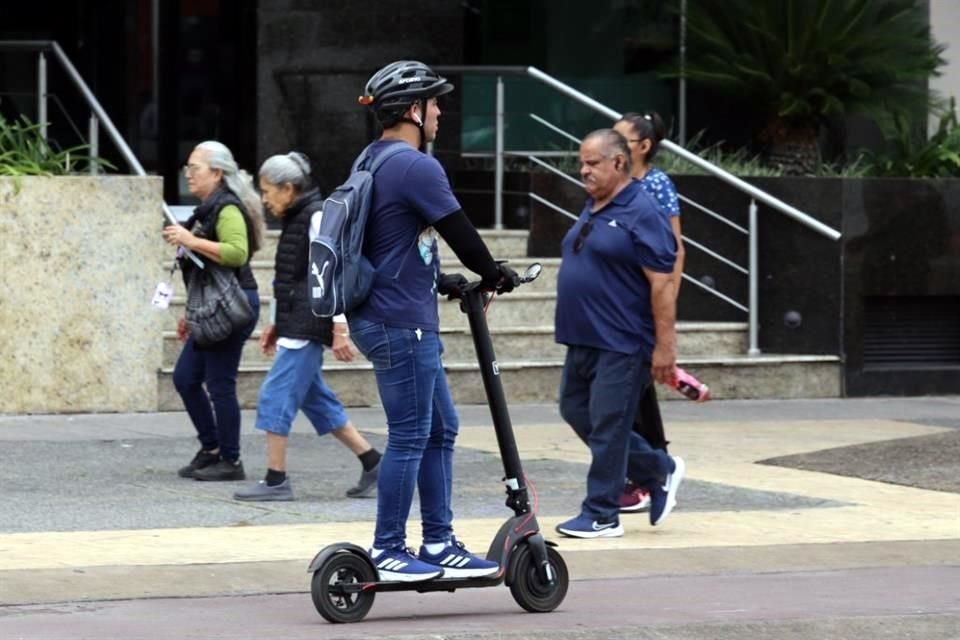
(222, 471)
(200, 461)
(366, 485)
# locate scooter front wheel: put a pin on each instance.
(337, 589)
(529, 587)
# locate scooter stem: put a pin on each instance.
(472, 303)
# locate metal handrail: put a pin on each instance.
(686, 239)
(692, 158)
(77, 79)
(713, 214)
(535, 158)
(92, 102)
(554, 128)
(685, 277)
(752, 271)
(550, 205)
(713, 254)
(552, 169)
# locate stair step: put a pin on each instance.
(503, 244)
(537, 381)
(521, 325)
(521, 343)
(520, 309)
(263, 272)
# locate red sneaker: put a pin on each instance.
(634, 498)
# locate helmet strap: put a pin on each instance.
(419, 125)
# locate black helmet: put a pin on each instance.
(399, 84)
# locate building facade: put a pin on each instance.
(267, 76)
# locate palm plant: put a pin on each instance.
(800, 62)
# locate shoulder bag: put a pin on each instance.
(216, 305)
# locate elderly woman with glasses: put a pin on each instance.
(226, 230)
(298, 339)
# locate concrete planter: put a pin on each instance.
(80, 260)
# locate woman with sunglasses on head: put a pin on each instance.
(224, 230)
(643, 132)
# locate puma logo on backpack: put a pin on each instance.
(340, 276)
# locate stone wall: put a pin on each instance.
(80, 260)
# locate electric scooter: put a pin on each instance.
(345, 580)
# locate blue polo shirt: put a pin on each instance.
(603, 296)
(410, 193)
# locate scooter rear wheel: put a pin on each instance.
(529, 588)
(336, 591)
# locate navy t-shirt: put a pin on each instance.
(410, 193)
(603, 296)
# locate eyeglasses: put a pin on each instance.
(191, 169)
(582, 236)
(637, 140)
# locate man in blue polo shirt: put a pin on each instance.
(615, 313)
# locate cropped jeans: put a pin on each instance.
(295, 383)
(422, 426)
(215, 412)
(599, 394)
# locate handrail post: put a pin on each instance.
(754, 293)
(93, 137)
(498, 168)
(42, 94)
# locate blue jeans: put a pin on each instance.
(216, 367)
(295, 383)
(422, 426)
(599, 393)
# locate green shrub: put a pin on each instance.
(24, 152)
(740, 162)
(910, 154)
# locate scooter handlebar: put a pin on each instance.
(455, 292)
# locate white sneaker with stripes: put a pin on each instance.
(457, 562)
(400, 565)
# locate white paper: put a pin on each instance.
(161, 297)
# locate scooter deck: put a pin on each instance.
(422, 586)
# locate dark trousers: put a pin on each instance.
(648, 423)
(215, 411)
(599, 394)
